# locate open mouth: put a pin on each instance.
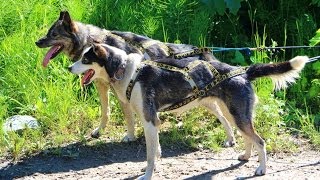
(52, 53)
(86, 79)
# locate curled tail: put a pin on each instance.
(282, 74)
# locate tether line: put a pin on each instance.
(220, 49)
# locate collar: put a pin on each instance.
(119, 74)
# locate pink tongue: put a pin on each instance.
(86, 76)
(49, 54)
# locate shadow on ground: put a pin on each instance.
(78, 156)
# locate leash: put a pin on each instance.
(246, 50)
(313, 59)
(221, 49)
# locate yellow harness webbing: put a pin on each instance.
(143, 45)
(218, 78)
(192, 52)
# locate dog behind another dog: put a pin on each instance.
(156, 88)
(71, 37)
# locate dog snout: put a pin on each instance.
(41, 43)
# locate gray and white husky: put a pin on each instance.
(156, 88)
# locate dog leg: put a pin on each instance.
(152, 143)
(241, 108)
(247, 147)
(217, 111)
(251, 137)
(103, 89)
(129, 118)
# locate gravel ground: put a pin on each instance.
(116, 160)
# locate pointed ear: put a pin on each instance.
(62, 15)
(66, 21)
(100, 51)
(66, 17)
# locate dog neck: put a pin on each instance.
(120, 87)
(96, 33)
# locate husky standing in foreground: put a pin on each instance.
(70, 37)
(154, 86)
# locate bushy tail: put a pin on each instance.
(282, 74)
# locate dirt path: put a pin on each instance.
(125, 161)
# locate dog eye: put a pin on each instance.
(85, 61)
(54, 34)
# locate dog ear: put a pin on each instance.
(65, 16)
(100, 51)
(67, 22)
(61, 15)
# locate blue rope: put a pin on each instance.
(220, 49)
(247, 50)
(316, 58)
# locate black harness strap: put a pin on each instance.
(203, 92)
(192, 52)
(218, 78)
(132, 82)
(143, 45)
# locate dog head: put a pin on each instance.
(62, 36)
(100, 61)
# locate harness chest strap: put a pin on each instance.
(132, 82)
(185, 71)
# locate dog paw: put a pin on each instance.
(243, 157)
(128, 138)
(158, 154)
(95, 133)
(260, 171)
(143, 177)
(229, 143)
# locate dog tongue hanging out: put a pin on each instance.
(52, 53)
(62, 36)
(86, 79)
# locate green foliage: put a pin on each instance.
(316, 2)
(220, 6)
(316, 39)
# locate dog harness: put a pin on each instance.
(192, 52)
(142, 46)
(197, 92)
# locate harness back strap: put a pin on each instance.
(144, 45)
(185, 71)
(218, 78)
(201, 93)
(192, 52)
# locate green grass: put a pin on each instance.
(68, 113)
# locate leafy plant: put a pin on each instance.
(316, 39)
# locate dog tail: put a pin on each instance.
(282, 74)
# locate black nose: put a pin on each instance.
(38, 43)
(42, 42)
(70, 68)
